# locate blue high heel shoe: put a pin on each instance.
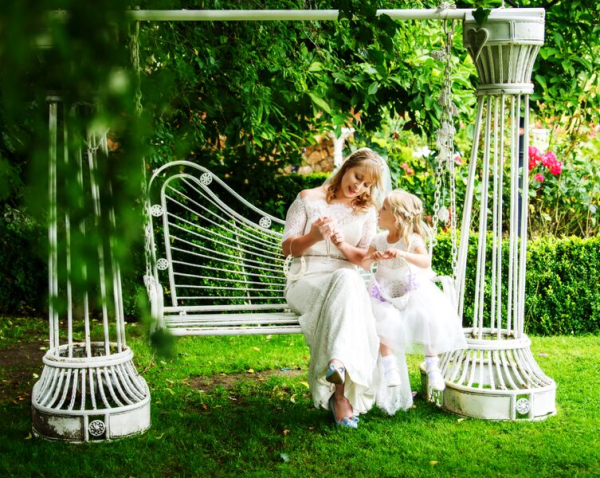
(336, 375)
(344, 422)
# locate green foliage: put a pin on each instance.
(244, 98)
(562, 294)
(22, 266)
(79, 60)
(567, 204)
(481, 16)
(565, 74)
(262, 90)
(563, 290)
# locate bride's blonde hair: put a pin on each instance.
(374, 169)
(407, 209)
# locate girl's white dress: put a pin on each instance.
(423, 321)
(333, 304)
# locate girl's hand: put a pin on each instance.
(377, 256)
(392, 253)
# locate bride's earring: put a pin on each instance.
(287, 264)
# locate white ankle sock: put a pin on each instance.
(431, 363)
(389, 362)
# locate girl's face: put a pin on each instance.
(355, 182)
(386, 218)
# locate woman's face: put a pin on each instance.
(355, 182)
(386, 218)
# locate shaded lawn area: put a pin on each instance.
(240, 405)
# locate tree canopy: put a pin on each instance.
(256, 93)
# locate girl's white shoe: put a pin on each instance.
(436, 380)
(434, 374)
(392, 378)
(391, 372)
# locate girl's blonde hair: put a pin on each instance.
(374, 169)
(407, 209)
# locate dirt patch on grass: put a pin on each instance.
(229, 381)
(18, 364)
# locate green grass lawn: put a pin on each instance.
(241, 406)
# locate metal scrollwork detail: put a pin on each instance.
(97, 428)
(523, 406)
(206, 179)
(265, 222)
(162, 264)
(157, 210)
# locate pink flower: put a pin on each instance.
(556, 169)
(539, 177)
(535, 157)
(533, 151)
(547, 160)
(407, 169)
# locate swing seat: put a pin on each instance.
(216, 261)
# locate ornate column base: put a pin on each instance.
(80, 398)
(494, 379)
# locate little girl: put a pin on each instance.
(412, 314)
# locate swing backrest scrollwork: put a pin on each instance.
(212, 250)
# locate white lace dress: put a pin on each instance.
(332, 302)
(423, 323)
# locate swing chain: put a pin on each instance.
(134, 49)
(445, 134)
(445, 159)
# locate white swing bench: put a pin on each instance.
(216, 260)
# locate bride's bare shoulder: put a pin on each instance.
(313, 194)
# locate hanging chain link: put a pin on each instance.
(134, 51)
(445, 166)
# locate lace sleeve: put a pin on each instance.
(416, 241)
(295, 221)
(369, 229)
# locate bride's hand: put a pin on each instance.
(337, 237)
(322, 228)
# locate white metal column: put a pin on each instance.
(89, 388)
(497, 377)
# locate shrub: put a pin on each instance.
(562, 294)
(23, 270)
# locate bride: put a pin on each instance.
(328, 231)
